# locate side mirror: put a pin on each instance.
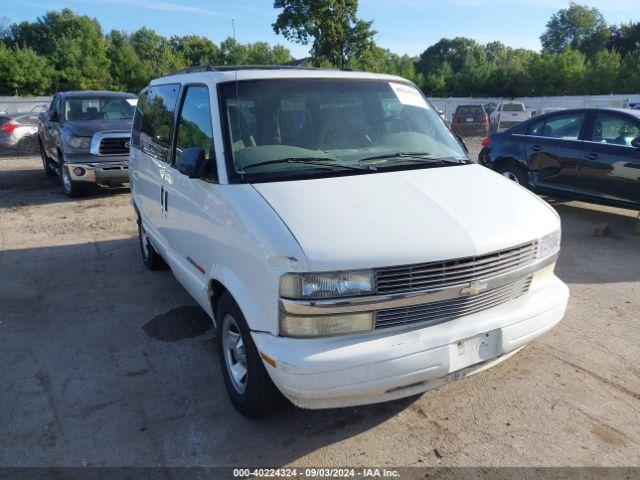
(635, 142)
(193, 163)
(462, 143)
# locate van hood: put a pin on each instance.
(412, 216)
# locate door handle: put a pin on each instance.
(592, 156)
(166, 200)
(536, 148)
(162, 196)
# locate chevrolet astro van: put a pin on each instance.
(335, 230)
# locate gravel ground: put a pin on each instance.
(105, 363)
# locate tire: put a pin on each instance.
(515, 173)
(71, 189)
(150, 257)
(49, 171)
(253, 394)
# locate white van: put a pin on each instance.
(336, 232)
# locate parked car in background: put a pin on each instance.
(508, 114)
(586, 154)
(338, 235)
(19, 132)
(84, 138)
(470, 120)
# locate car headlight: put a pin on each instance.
(80, 143)
(325, 325)
(549, 244)
(326, 285)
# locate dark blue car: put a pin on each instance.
(584, 154)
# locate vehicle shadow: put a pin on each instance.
(29, 186)
(109, 364)
(587, 258)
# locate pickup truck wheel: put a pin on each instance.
(248, 384)
(516, 174)
(71, 188)
(49, 170)
(150, 257)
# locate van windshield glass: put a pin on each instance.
(285, 128)
(99, 108)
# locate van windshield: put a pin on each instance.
(279, 129)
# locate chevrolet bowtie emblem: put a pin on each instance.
(474, 288)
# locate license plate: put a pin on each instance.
(473, 350)
(469, 120)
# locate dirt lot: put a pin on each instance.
(106, 363)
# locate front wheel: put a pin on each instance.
(248, 384)
(71, 188)
(516, 174)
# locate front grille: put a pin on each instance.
(438, 312)
(114, 146)
(411, 278)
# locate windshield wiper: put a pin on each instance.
(414, 156)
(315, 161)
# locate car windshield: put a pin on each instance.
(280, 129)
(99, 108)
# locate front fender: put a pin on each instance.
(256, 315)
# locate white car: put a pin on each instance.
(337, 234)
(507, 115)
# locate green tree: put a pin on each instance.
(579, 27)
(23, 72)
(195, 50)
(558, 74)
(74, 45)
(459, 53)
(625, 38)
(630, 73)
(155, 53)
(332, 27)
(126, 71)
(602, 74)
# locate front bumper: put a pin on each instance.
(395, 363)
(114, 170)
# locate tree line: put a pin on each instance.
(581, 54)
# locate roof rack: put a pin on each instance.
(227, 68)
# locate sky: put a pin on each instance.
(403, 26)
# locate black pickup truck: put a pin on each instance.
(84, 138)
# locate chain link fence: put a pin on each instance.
(19, 125)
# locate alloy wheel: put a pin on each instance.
(234, 353)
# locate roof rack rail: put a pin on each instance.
(194, 69)
(227, 68)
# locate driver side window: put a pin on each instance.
(194, 128)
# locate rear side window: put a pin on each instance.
(615, 129)
(194, 125)
(566, 127)
(153, 120)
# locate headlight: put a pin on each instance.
(326, 285)
(325, 325)
(80, 143)
(549, 244)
